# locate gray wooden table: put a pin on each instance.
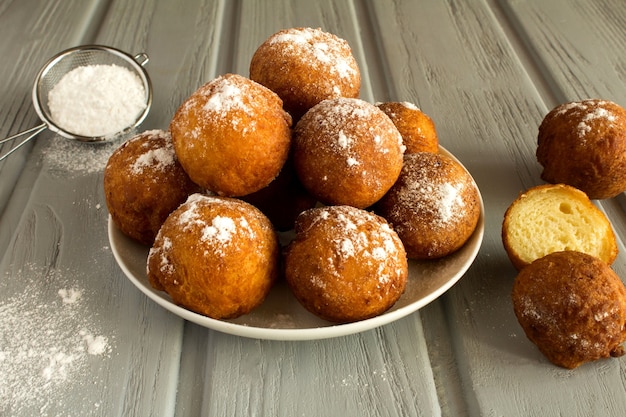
(76, 336)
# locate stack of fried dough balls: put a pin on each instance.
(261, 153)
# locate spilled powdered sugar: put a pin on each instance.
(49, 340)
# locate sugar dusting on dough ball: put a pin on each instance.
(583, 144)
(572, 306)
(232, 135)
(347, 151)
(434, 206)
(305, 66)
(216, 256)
(345, 264)
(144, 183)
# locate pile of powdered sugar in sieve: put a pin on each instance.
(97, 100)
(49, 341)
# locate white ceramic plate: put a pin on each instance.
(281, 317)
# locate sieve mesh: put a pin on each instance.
(70, 59)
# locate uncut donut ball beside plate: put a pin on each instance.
(345, 264)
(216, 256)
(347, 152)
(555, 217)
(434, 206)
(144, 183)
(305, 66)
(583, 144)
(232, 135)
(572, 306)
(416, 127)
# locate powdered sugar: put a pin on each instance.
(586, 114)
(71, 295)
(97, 100)
(353, 127)
(230, 99)
(221, 229)
(428, 194)
(584, 126)
(225, 97)
(361, 235)
(155, 157)
(48, 341)
(318, 49)
(67, 157)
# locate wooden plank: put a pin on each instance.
(579, 46)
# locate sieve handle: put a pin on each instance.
(32, 132)
(142, 58)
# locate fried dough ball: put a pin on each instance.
(305, 66)
(144, 183)
(417, 129)
(555, 217)
(345, 264)
(284, 199)
(232, 135)
(347, 152)
(583, 144)
(434, 206)
(217, 256)
(572, 306)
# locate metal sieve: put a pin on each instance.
(66, 61)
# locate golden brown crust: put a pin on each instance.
(583, 144)
(345, 264)
(434, 206)
(417, 129)
(347, 151)
(305, 66)
(144, 183)
(554, 217)
(216, 256)
(232, 135)
(572, 306)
